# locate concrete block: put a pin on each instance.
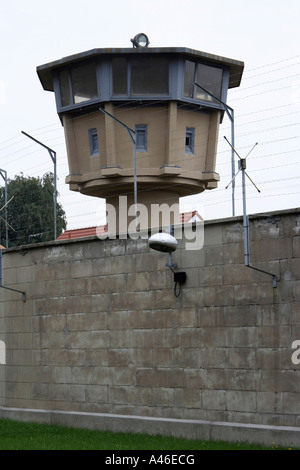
(241, 315)
(274, 248)
(296, 290)
(146, 378)
(214, 358)
(164, 338)
(210, 275)
(142, 357)
(83, 374)
(143, 338)
(100, 303)
(138, 282)
(164, 299)
(102, 375)
(296, 247)
(91, 357)
(233, 253)
(192, 258)
(220, 295)
(242, 357)
(266, 227)
(214, 255)
(246, 337)
(290, 269)
(160, 280)
(118, 357)
(146, 262)
(192, 297)
(232, 232)
(118, 320)
(191, 398)
(122, 301)
(142, 396)
(101, 266)
(163, 396)
(214, 399)
(237, 274)
(185, 318)
(158, 319)
(119, 339)
(114, 283)
(241, 400)
(245, 294)
(124, 376)
(245, 379)
(186, 358)
(290, 402)
(122, 264)
(213, 234)
(97, 393)
(117, 247)
(191, 337)
(170, 378)
(163, 357)
(143, 300)
(121, 395)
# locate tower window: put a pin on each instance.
(94, 144)
(208, 77)
(84, 83)
(78, 84)
(119, 74)
(189, 140)
(141, 134)
(149, 76)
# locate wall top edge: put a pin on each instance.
(233, 219)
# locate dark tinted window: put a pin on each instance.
(119, 72)
(84, 83)
(149, 76)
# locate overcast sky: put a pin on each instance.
(264, 34)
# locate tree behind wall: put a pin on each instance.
(31, 211)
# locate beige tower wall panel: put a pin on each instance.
(156, 120)
(212, 142)
(71, 144)
(77, 139)
(164, 166)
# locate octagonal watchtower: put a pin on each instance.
(152, 91)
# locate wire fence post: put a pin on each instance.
(52, 154)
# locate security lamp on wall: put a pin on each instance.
(166, 243)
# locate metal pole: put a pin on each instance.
(5, 196)
(231, 117)
(230, 114)
(245, 221)
(52, 154)
(131, 132)
(242, 168)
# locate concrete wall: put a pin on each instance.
(101, 330)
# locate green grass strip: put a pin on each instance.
(15, 435)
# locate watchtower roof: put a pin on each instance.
(235, 67)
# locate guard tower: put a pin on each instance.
(105, 95)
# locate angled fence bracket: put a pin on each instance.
(9, 288)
